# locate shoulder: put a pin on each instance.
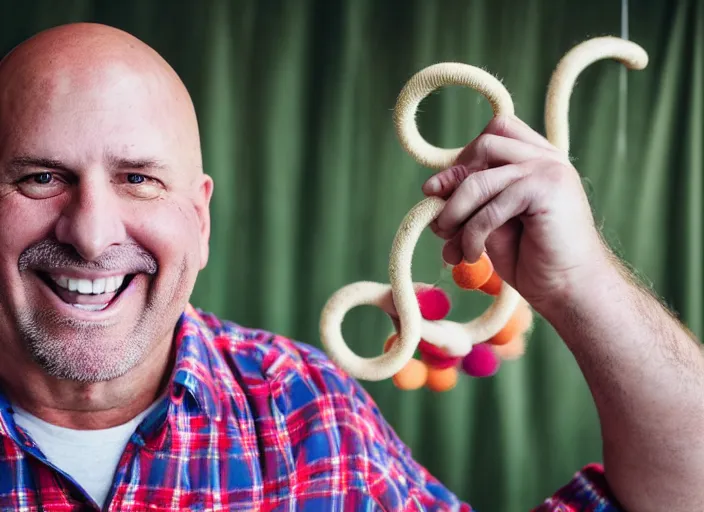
(312, 396)
(283, 362)
(300, 377)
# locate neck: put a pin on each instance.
(88, 406)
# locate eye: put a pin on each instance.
(41, 185)
(43, 178)
(141, 186)
(136, 179)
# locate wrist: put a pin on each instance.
(585, 286)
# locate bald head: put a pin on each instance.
(87, 66)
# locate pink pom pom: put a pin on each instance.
(482, 361)
(434, 303)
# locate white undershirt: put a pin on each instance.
(90, 457)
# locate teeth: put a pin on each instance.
(90, 307)
(113, 283)
(85, 286)
(99, 285)
(90, 287)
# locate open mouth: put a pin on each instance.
(87, 294)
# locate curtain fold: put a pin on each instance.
(295, 102)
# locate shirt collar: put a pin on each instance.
(195, 367)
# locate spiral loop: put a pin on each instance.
(425, 82)
(570, 67)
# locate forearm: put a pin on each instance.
(646, 373)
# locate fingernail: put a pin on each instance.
(432, 186)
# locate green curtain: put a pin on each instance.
(295, 99)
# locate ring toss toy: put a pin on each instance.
(418, 309)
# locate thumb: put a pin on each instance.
(444, 183)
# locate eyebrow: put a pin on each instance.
(113, 161)
(30, 161)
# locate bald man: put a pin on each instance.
(117, 394)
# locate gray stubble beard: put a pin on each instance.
(82, 359)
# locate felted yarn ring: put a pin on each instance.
(425, 82)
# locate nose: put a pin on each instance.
(91, 221)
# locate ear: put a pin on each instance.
(202, 205)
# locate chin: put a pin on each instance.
(77, 350)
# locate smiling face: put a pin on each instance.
(103, 207)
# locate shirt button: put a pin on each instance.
(402, 479)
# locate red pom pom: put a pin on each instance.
(482, 361)
(434, 303)
(435, 356)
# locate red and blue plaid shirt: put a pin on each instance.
(254, 421)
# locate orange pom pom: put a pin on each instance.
(440, 380)
(518, 324)
(412, 376)
(513, 349)
(493, 285)
(471, 276)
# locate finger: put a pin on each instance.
(485, 151)
(492, 149)
(512, 202)
(476, 190)
(501, 245)
(515, 128)
(452, 250)
(444, 183)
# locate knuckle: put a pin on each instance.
(483, 146)
(484, 141)
(492, 218)
(499, 125)
(476, 187)
(445, 180)
(557, 173)
(451, 177)
(457, 173)
(486, 220)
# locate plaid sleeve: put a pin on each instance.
(425, 491)
(588, 491)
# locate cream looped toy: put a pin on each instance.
(419, 309)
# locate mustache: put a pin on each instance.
(50, 255)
